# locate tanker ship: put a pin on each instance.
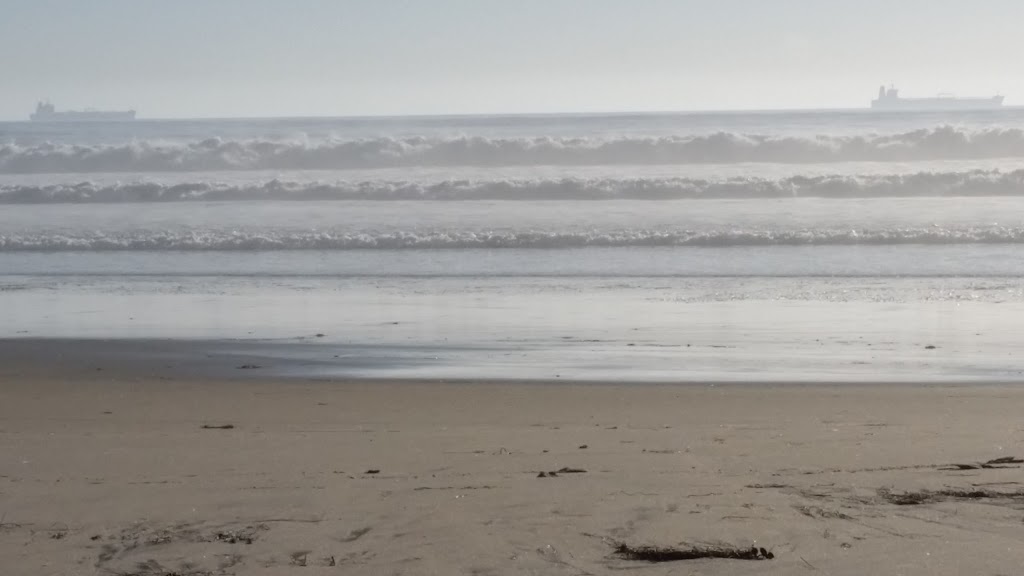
(890, 99)
(45, 112)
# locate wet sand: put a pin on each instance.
(117, 472)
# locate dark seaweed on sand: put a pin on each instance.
(655, 554)
(929, 496)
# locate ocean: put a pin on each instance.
(700, 247)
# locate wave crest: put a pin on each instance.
(923, 184)
(944, 142)
(329, 240)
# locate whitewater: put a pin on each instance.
(694, 246)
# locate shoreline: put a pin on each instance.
(304, 359)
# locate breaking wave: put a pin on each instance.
(234, 240)
(944, 142)
(970, 183)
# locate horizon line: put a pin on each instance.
(378, 116)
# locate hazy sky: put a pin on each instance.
(172, 58)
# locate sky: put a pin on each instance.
(223, 58)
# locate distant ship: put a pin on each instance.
(889, 99)
(45, 112)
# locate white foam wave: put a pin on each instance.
(970, 183)
(214, 240)
(944, 142)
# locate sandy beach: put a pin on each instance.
(107, 472)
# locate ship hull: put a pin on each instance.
(994, 103)
(85, 116)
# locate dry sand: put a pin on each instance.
(105, 474)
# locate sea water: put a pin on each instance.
(817, 245)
